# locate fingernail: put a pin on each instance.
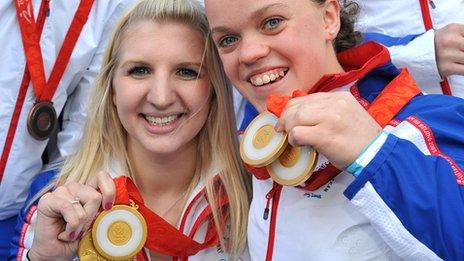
(71, 235)
(108, 206)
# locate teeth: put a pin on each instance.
(161, 121)
(266, 78)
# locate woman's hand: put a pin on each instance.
(64, 214)
(449, 49)
(334, 124)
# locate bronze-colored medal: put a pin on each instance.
(42, 120)
(117, 234)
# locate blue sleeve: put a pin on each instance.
(20, 236)
(417, 177)
(250, 114)
(388, 40)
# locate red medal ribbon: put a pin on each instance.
(21, 96)
(163, 237)
(30, 34)
(383, 109)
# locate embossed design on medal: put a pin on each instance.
(86, 249)
(42, 120)
(262, 146)
(294, 166)
(117, 234)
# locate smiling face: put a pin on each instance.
(162, 96)
(274, 46)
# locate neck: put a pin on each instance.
(333, 64)
(157, 175)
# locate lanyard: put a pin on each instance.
(44, 90)
(42, 118)
(162, 236)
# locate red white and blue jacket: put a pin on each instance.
(403, 198)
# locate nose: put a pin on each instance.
(252, 49)
(161, 93)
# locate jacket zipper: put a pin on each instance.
(47, 8)
(274, 195)
(432, 4)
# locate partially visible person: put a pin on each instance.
(388, 184)
(429, 39)
(22, 156)
(161, 113)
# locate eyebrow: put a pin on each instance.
(194, 64)
(264, 9)
(256, 13)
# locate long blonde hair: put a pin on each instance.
(104, 138)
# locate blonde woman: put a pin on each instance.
(161, 113)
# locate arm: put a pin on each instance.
(412, 189)
(429, 56)
(415, 52)
(24, 232)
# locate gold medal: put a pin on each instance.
(117, 234)
(261, 144)
(86, 250)
(42, 120)
(294, 166)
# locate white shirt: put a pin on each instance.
(70, 98)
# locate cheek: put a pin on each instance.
(126, 104)
(231, 65)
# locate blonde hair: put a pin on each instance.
(104, 139)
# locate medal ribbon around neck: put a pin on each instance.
(42, 119)
(163, 237)
(30, 34)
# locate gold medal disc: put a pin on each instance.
(120, 233)
(86, 250)
(261, 144)
(294, 166)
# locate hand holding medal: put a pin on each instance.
(262, 146)
(65, 213)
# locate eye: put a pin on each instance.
(227, 41)
(187, 73)
(139, 71)
(272, 23)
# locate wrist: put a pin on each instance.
(367, 154)
(32, 255)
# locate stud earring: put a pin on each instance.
(332, 32)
